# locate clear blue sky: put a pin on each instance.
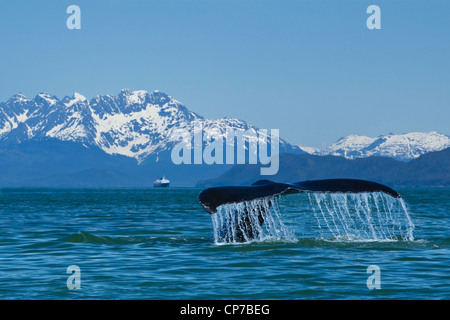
(309, 68)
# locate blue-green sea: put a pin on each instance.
(160, 244)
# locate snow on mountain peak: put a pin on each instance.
(135, 97)
(310, 150)
(76, 98)
(133, 123)
(51, 100)
(18, 97)
(405, 146)
(79, 96)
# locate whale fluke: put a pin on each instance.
(212, 198)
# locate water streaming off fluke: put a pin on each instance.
(246, 221)
(371, 216)
(361, 216)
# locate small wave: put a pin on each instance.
(264, 241)
(345, 242)
(85, 237)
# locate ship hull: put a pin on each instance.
(161, 185)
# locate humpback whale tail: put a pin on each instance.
(247, 213)
(212, 198)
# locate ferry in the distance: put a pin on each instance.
(161, 183)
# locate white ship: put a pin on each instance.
(161, 183)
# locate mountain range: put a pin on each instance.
(402, 147)
(136, 129)
(135, 124)
(126, 141)
(429, 170)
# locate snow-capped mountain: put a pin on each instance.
(403, 147)
(133, 123)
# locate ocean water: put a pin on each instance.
(161, 244)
